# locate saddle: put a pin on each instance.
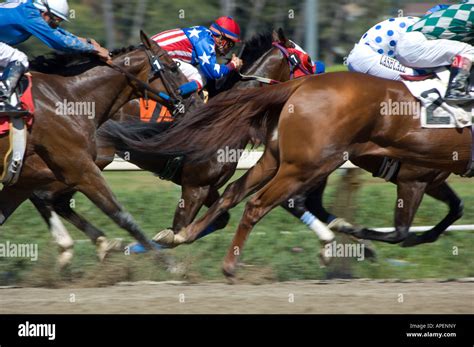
(16, 127)
(439, 101)
(432, 74)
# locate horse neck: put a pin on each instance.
(106, 88)
(139, 67)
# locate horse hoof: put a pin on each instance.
(165, 237)
(324, 260)
(340, 225)
(229, 272)
(105, 246)
(65, 258)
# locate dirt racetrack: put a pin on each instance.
(339, 296)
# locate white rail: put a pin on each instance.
(249, 159)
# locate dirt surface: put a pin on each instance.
(351, 296)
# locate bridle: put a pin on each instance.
(294, 63)
(174, 102)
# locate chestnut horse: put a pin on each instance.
(62, 146)
(319, 122)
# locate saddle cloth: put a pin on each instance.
(435, 112)
(26, 99)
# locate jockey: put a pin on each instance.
(374, 54)
(20, 19)
(196, 48)
(443, 38)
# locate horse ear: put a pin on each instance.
(275, 36)
(144, 39)
(283, 39)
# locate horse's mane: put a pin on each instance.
(255, 47)
(71, 64)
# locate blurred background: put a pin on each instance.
(327, 29)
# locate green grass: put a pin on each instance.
(270, 252)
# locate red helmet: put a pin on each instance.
(227, 27)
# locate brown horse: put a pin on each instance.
(319, 122)
(62, 144)
(200, 183)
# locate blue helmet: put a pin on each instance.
(437, 8)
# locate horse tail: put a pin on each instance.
(226, 121)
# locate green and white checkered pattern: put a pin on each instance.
(454, 23)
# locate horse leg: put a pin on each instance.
(296, 205)
(289, 180)
(11, 198)
(93, 185)
(223, 219)
(219, 223)
(446, 194)
(62, 205)
(314, 203)
(60, 234)
(233, 194)
(198, 197)
(409, 197)
(192, 199)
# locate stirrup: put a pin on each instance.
(458, 99)
(11, 111)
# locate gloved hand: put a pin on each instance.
(188, 88)
(320, 67)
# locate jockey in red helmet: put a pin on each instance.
(196, 49)
(226, 33)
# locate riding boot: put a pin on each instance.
(459, 81)
(11, 76)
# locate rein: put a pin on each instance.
(293, 62)
(172, 100)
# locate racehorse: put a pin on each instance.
(200, 183)
(319, 122)
(62, 145)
